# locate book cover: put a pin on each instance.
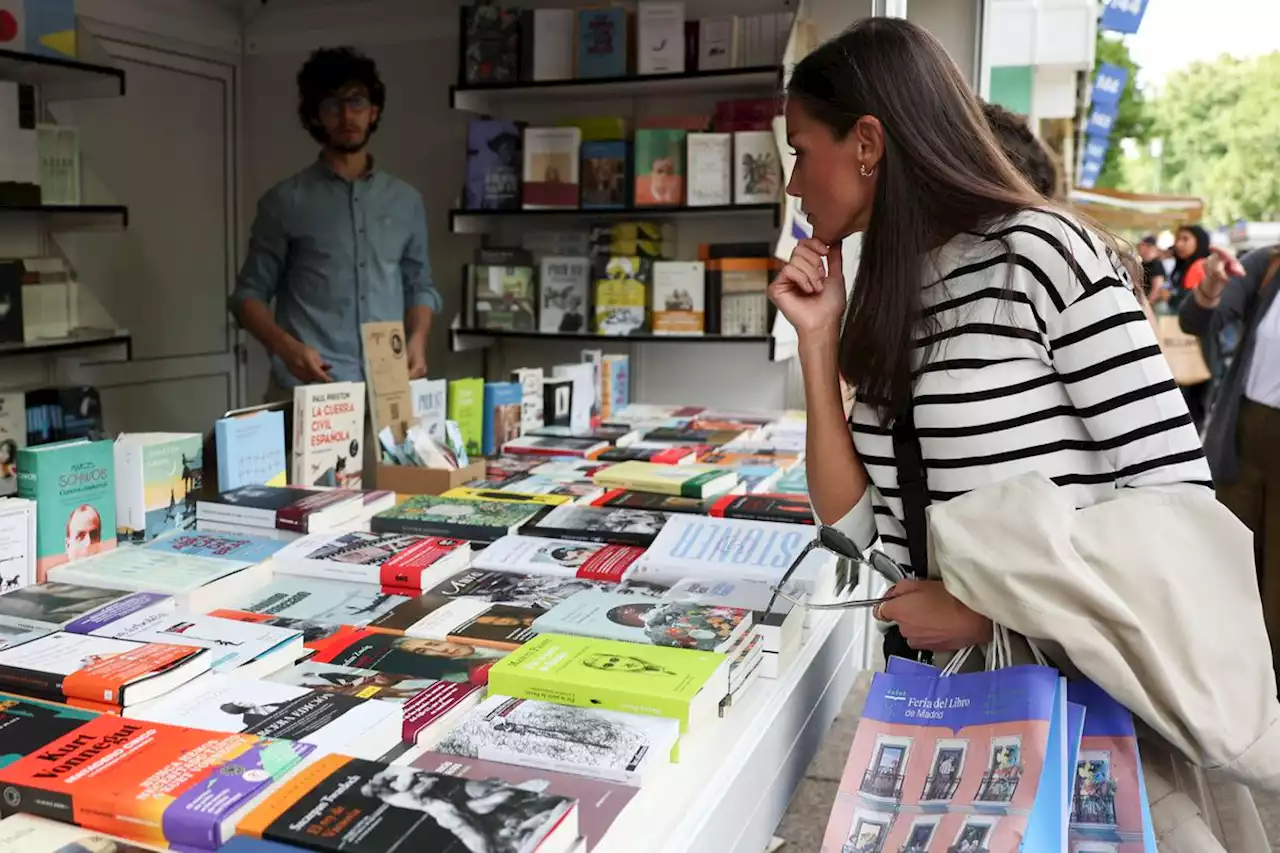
(593, 742)
(57, 605)
(743, 295)
(602, 42)
(494, 161)
(397, 563)
(504, 297)
(416, 657)
(15, 631)
(466, 409)
(491, 44)
(615, 386)
(283, 508)
(329, 721)
(455, 518)
(710, 158)
(325, 601)
(328, 422)
(653, 501)
(585, 393)
(71, 482)
(638, 619)
(241, 548)
(250, 450)
(660, 37)
(690, 481)
(478, 493)
(779, 508)
(502, 402)
(621, 295)
(144, 570)
(157, 476)
(530, 381)
(679, 297)
(17, 543)
(465, 621)
(599, 802)
(690, 546)
(608, 525)
(430, 405)
(26, 725)
(551, 160)
(563, 557)
(717, 43)
(553, 45)
(617, 676)
(159, 784)
(348, 804)
(563, 285)
(30, 834)
(664, 455)
(13, 436)
(605, 174)
(536, 592)
(759, 171)
(659, 166)
(557, 401)
(233, 643)
(549, 446)
(353, 681)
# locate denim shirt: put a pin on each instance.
(333, 254)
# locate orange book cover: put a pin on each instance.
(150, 782)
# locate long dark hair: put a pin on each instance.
(942, 173)
(1181, 265)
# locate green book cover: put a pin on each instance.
(73, 484)
(659, 165)
(466, 408)
(158, 477)
(456, 518)
(618, 676)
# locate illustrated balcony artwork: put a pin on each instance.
(998, 786)
(966, 848)
(1096, 808)
(882, 784)
(940, 786)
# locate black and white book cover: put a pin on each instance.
(612, 525)
(537, 592)
(563, 284)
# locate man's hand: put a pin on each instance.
(417, 362)
(305, 363)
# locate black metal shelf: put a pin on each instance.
(88, 340)
(482, 98)
(73, 217)
(466, 339)
(463, 221)
(62, 79)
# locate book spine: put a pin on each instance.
(27, 799)
(30, 682)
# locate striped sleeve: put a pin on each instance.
(1106, 354)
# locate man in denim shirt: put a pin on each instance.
(339, 244)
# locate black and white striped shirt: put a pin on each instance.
(1040, 360)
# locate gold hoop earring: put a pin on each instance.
(865, 172)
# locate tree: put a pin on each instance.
(1220, 122)
(1133, 120)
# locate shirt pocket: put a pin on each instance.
(390, 236)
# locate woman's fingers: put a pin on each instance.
(811, 270)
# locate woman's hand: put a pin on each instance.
(1219, 267)
(811, 298)
(931, 618)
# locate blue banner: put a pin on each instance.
(1108, 84)
(1101, 118)
(1089, 171)
(1123, 16)
(1095, 147)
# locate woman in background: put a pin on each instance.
(1190, 248)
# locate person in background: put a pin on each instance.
(339, 244)
(1024, 149)
(1153, 269)
(1190, 248)
(1242, 438)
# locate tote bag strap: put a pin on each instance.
(914, 489)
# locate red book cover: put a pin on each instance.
(296, 515)
(785, 508)
(402, 574)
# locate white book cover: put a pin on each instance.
(717, 43)
(553, 45)
(430, 405)
(63, 653)
(530, 381)
(13, 437)
(609, 745)
(14, 631)
(595, 358)
(535, 555)
(710, 168)
(157, 477)
(694, 546)
(328, 435)
(29, 834)
(17, 543)
(234, 643)
(585, 389)
(326, 602)
(563, 286)
(758, 169)
(390, 560)
(220, 702)
(679, 297)
(145, 570)
(660, 36)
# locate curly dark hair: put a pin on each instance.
(328, 70)
(1024, 150)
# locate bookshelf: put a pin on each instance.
(67, 217)
(462, 221)
(62, 79)
(88, 340)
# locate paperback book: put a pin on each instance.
(710, 169)
(464, 621)
(608, 525)
(241, 548)
(195, 583)
(604, 174)
(72, 483)
(530, 381)
(660, 161)
(26, 725)
(17, 543)
(563, 557)
(493, 164)
(504, 296)
(551, 161)
(416, 657)
(328, 423)
(430, 406)
(555, 446)
(292, 509)
(621, 295)
(637, 619)
(690, 481)
(400, 564)
(502, 410)
(455, 518)
(250, 450)
(57, 606)
(491, 44)
(722, 549)
(679, 297)
(327, 601)
(157, 477)
(13, 436)
(602, 42)
(779, 508)
(538, 592)
(466, 409)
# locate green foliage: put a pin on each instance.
(1220, 122)
(1132, 118)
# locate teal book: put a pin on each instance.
(158, 477)
(602, 42)
(501, 415)
(466, 409)
(73, 483)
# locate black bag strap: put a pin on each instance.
(914, 489)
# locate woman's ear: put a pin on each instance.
(868, 140)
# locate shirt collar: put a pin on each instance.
(320, 167)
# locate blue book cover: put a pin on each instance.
(250, 450)
(605, 167)
(602, 42)
(245, 844)
(617, 377)
(502, 402)
(495, 162)
(51, 28)
(1047, 823)
(228, 546)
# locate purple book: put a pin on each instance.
(494, 163)
(599, 802)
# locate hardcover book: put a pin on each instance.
(710, 169)
(164, 785)
(594, 742)
(681, 684)
(563, 557)
(397, 563)
(530, 381)
(466, 409)
(412, 656)
(494, 163)
(679, 297)
(551, 160)
(491, 44)
(502, 402)
(328, 423)
(604, 174)
(759, 172)
(660, 37)
(621, 295)
(250, 450)
(72, 483)
(602, 42)
(455, 518)
(660, 160)
(599, 524)
(638, 619)
(347, 804)
(158, 476)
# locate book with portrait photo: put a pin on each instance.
(415, 657)
(608, 525)
(73, 482)
(605, 168)
(561, 557)
(563, 284)
(551, 163)
(708, 627)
